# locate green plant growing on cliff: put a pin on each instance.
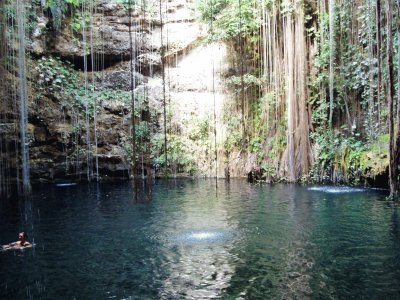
(348, 155)
(179, 155)
(255, 146)
(229, 19)
(200, 130)
(57, 79)
(339, 154)
(374, 159)
(209, 9)
(59, 9)
(234, 136)
(325, 149)
(352, 71)
(8, 8)
(148, 144)
(259, 110)
(267, 170)
(76, 20)
(55, 76)
(113, 95)
(248, 80)
(143, 130)
(277, 143)
(339, 147)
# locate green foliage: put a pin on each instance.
(238, 23)
(248, 80)
(113, 95)
(62, 3)
(76, 21)
(318, 83)
(55, 76)
(325, 143)
(234, 136)
(319, 103)
(287, 8)
(233, 140)
(277, 143)
(349, 155)
(9, 9)
(200, 130)
(267, 170)
(228, 19)
(180, 157)
(59, 8)
(210, 9)
(340, 151)
(354, 66)
(142, 132)
(337, 152)
(255, 146)
(260, 108)
(374, 159)
(237, 20)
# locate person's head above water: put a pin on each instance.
(22, 237)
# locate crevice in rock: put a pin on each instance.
(380, 180)
(101, 62)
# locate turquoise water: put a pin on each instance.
(193, 241)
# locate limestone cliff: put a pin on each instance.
(62, 147)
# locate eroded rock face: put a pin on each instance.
(110, 31)
(57, 146)
(120, 79)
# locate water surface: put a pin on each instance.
(193, 241)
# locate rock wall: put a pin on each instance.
(193, 85)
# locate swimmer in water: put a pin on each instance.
(20, 244)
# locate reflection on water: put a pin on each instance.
(192, 241)
(197, 245)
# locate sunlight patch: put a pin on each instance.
(66, 184)
(336, 189)
(203, 235)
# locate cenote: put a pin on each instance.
(198, 241)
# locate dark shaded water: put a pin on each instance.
(242, 241)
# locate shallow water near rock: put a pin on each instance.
(193, 241)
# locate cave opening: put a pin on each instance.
(101, 62)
